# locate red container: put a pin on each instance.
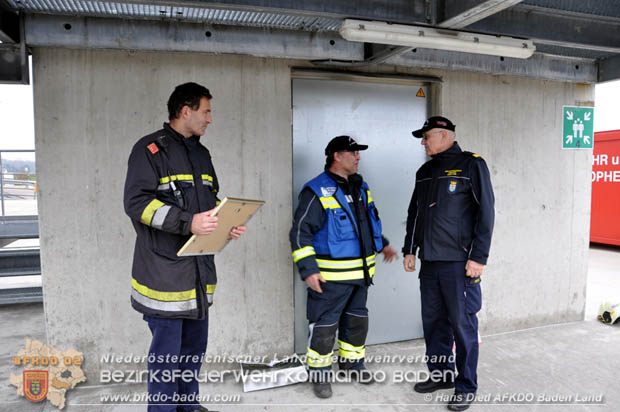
(605, 213)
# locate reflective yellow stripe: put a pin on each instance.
(318, 361)
(149, 211)
(299, 254)
(211, 289)
(330, 203)
(348, 275)
(184, 178)
(348, 351)
(345, 264)
(335, 270)
(163, 296)
(178, 177)
(370, 199)
(347, 346)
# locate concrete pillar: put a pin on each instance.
(90, 108)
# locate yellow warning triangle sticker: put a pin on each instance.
(420, 93)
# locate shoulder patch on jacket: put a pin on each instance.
(153, 148)
(465, 152)
(328, 191)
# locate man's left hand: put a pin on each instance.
(237, 231)
(474, 269)
(389, 254)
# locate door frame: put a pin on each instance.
(434, 107)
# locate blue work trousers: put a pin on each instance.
(178, 344)
(341, 307)
(450, 301)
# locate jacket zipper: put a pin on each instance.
(366, 271)
(201, 289)
(430, 217)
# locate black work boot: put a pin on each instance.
(461, 401)
(322, 389)
(321, 385)
(431, 385)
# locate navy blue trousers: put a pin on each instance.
(185, 339)
(341, 307)
(450, 301)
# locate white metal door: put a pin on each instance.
(382, 116)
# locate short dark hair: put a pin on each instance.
(187, 94)
(330, 160)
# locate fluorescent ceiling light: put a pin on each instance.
(429, 38)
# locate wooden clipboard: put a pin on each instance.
(231, 212)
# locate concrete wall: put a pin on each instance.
(91, 106)
(538, 265)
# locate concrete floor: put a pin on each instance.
(570, 366)
(603, 277)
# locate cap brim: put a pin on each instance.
(419, 133)
(359, 147)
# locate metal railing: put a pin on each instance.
(17, 184)
(20, 267)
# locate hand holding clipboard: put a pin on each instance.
(231, 213)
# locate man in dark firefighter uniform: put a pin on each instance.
(170, 191)
(450, 222)
(335, 237)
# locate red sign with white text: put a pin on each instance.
(605, 212)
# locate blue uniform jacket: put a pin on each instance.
(452, 209)
(324, 204)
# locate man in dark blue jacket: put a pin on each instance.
(335, 238)
(450, 222)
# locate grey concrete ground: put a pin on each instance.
(570, 366)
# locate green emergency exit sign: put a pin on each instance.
(578, 127)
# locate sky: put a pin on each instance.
(606, 113)
(17, 117)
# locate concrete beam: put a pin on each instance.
(376, 54)
(105, 33)
(473, 13)
(100, 33)
(538, 66)
(609, 69)
(553, 27)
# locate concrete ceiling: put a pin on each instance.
(576, 40)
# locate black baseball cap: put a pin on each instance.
(343, 144)
(435, 122)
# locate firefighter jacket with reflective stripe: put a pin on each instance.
(452, 209)
(336, 233)
(169, 179)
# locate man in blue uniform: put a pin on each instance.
(450, 222)
(170, 190)
(335, 238)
